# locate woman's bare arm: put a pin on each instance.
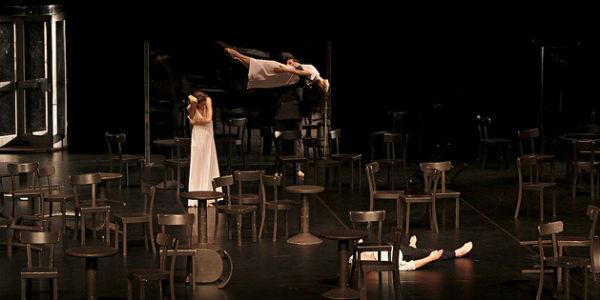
(286, 69)
(202, 120)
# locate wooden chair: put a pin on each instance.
(165, 271)
(374, 194)
(275, 205)
(288, 158)
(368, 217)
(234, 136)
(442, 192)
(54, 193)
(187, 250)
(237, 210)
(431, 179)
(556, 261)
(25, 185)
(242, 196)
(528, 138)
(79, 183)
(42, 270)
(312, 148)
(365, 266)
(582, 241)
(346, 157)
(485, 141)
(144, 218)
(177, 163)
(396, 146)
(534, 183)
(118, 157)
(584, 160)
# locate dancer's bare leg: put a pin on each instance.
(245, 60)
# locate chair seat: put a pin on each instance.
(566, 262)
(375, 265)
(415, 198)
(177, 162)
(587, 164)
(25, 192)
(282, 204)
(183, 251)
(546, 157)
(57, 196)
(127, 157)
(39, 272)
(373, 246)
(237, 209)
(246, 198)
(346, 156)
(326, 162)
(132, 217)
(387, 194)
(447, 194)
(148, 274)
(292, 159)
(536, 186)
(390, 161)
(573, 241)
(497, 141)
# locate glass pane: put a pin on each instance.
(60, 76)
(35, 100)
(7, 98)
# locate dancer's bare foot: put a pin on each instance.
(464, 250)
(413, 241)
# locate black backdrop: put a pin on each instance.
(441, 71)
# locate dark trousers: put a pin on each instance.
(410, 253)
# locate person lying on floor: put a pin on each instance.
(412, 258)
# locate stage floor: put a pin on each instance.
(268, 270)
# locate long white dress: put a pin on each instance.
(261, 74)
(204, 166)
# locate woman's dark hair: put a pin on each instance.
(200, 95)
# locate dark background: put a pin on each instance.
(443, 71)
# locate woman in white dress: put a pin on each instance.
(204, 166)
(271, 74)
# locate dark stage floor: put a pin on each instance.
(268, 270)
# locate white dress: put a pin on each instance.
(262, 76)
(204, 166)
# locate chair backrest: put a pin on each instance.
(395, 145)
(149, 196)
(430, 169)
(335, 135)
(312, 149)
(398, 120)
(45, 175)
(287, 137)
(186, 220)
(225, 183)
(593, 212)
(99, 219)
(236, 127)
(22, 172)
(247, 176)
(551, 229)
(528, 138)
(585, 151)
(270, 181)
(167, 242)
(529, 162)
(371, 169)
(89, 179)
(115, 140)
(369, 217)
(41, 238)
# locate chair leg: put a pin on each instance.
(351, 176)
(275, 213)
(23, 289)
(254, 226)
(542, 206)
(145, 232)
(540, 284)
(129, 289)
(143, 291)
(124, 239)
(262, 224)
(127, 173)
(573, 192)
(396, 275)
(567, 283)
(407, 219)
(519, 197)
(406, 186)
(151, 234)
(457, 213)
(554, 203)
(434, 219)
(363, 288)
(585, 283)
(359, 173)
(172, 286)
(285, 218)
(54, 288)
(238, 224)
